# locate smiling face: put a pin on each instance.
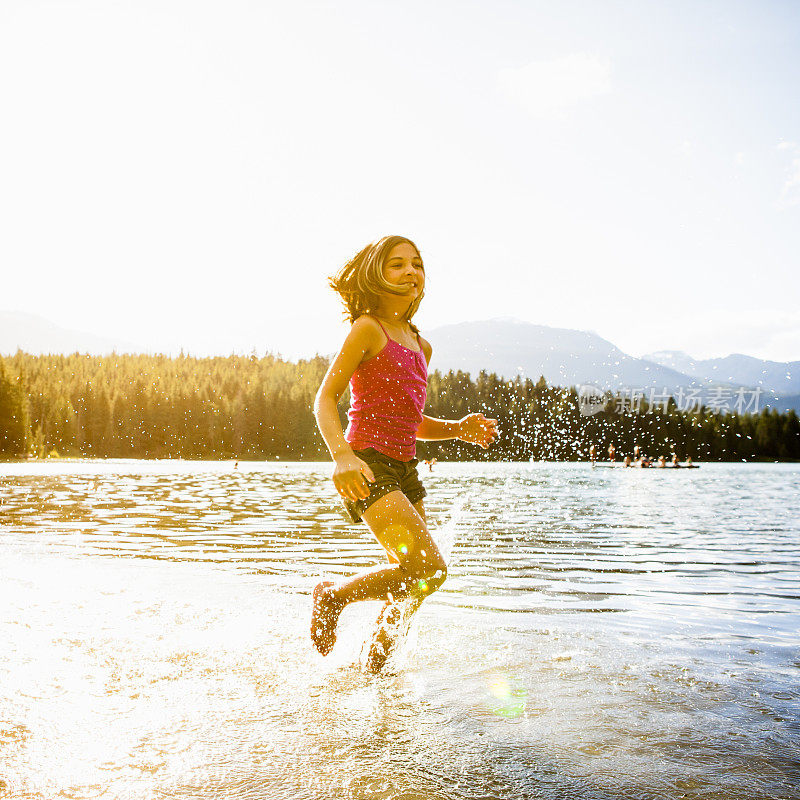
(403, 267)
(386, 277)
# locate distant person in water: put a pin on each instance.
(592, 454)
(385, 361)
(689, 464)
(636, 456)
(430, 462)
(612, 453)
(627, 461)
(675, 463)
(662, 462)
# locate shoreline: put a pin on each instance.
(242, 461)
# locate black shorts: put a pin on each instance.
(391, 475)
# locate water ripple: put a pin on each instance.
(602, 633)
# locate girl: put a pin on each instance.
(385, 360)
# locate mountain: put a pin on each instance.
(785, 402)
(34, 334)
(565, 357)
(780, 377)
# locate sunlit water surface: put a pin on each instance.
(603, 633)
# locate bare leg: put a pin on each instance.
(417, 567)
(419, 506)
(393, 620)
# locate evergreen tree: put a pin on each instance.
(13, 417)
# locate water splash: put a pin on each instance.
(445, 536)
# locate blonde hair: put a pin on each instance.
(360, 281)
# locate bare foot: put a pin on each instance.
(384, 638)
(324, 616)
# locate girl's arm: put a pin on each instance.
(350, 471)
(474, 428)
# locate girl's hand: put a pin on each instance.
(477, 429)
(350, 476)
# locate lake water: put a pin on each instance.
(603, 633)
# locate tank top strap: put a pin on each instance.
(419, 341)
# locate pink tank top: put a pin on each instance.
(387, 395)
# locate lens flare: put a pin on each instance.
(399, 538)
(422, 585)
(507, 695)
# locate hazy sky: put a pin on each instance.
(188, 173)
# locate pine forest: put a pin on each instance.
(238, 407)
